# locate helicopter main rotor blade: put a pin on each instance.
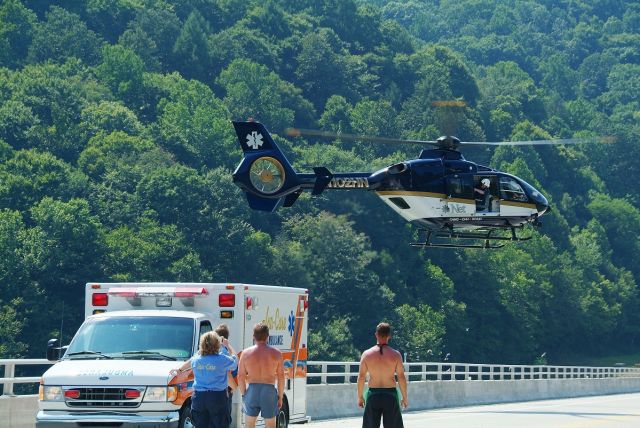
(297, 132)
(561, 141)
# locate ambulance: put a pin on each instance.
(116, 370)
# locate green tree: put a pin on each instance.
(109, 18)
(191, 49)
(108, 117)
(53, 96)
(11, 325)
(332, 342)
(194, 125)
(621, 220)
(17, 123)
(241, 42)
(418, 332)
(64, 34)
(151, 252)
(507, 79)
(623, 82)
(141, 43)
(63, 250)
(168, 191)
(162, 27)
(29, 176)
(335, 271)
(322, 67)
(253, 91)
(120, 159)
(16, 32)
(336, 115)
(121, 70)
(13, 275)
(270, 19)
(593, 72)
(375, 118)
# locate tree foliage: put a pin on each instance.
(116, 155)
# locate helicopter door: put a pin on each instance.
(459, 201)
(484, 193)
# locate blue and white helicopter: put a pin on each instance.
(457, 203)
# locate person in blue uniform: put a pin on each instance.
(209, 407)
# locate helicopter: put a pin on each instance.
(455, 202)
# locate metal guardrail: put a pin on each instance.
(325, 372)
(345, 372)
(9, 378)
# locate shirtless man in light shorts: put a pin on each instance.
(259, 368)
(382, 363)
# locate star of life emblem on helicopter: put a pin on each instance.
(254, 140)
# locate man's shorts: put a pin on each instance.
(260, 397)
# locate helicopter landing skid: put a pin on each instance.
(486, 237)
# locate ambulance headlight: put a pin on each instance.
(52, 393)
(161, 393)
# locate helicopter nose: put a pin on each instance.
(543, 209)
(542, 205)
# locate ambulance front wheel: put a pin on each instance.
(282, 419)
(186, 421)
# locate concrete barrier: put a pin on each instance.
(18, 411)
(335, 401)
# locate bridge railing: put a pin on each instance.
(330, 372)
(9, 378)
(345, 372)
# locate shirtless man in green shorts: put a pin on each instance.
(382, 363)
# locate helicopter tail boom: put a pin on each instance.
(269, 180)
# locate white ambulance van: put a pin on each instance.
(115, 371)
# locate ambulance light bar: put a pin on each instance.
(162, 295)
(179, 292)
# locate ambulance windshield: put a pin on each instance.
(132, 337)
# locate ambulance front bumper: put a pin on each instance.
(59, 419)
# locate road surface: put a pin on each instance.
(606, 411)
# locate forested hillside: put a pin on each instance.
(116, 155)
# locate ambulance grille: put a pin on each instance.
(103, 397)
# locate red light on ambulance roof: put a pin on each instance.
(95, 286)
(230, 287)
(99, 299)
(123, 292)
(131, 393)
(72, 393)
(226, 300)
(190, 291)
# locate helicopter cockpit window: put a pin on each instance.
(459, 187)
(511, 190)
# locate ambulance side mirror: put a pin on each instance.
(53, 349)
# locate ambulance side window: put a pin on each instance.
(205, 327)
